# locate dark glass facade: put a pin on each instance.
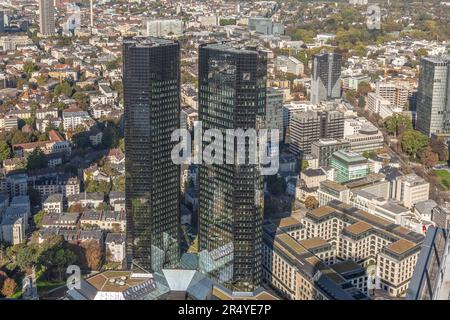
(325, 77)
(151, 83)
(232, 95)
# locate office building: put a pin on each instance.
(366, 138)
(232, 95)
(274, 111)
(151, 84)
(411, 189)
(349, 166)
(433, 101)
(308, 127)
(432, 273)
(324, 148)
(265, 26)
(46, 18)
(326, 77)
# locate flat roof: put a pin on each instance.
(285, 222)
(313, 243)
(334, 185)
(123, 280)
(322, 211)
(400, 246)
(358, 227)
(346, 267)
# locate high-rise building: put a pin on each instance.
(161, 28)
(232, 95)
(274, 111)
(326, 77)
(151, 83)
(2, 21)
(310, 126)
(46, 17)
(433, 99)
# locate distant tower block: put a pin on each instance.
(92, 13)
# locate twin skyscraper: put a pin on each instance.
(231, 95)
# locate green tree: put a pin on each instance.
(98, 186)
(82, 100)
(27, 257)
(37, 218)
(5, 151)
(422, 52)
(227, 22)
(29, 67)
(9, 287)
(305, 165)
(63, 88)
(21, 137)
(397, 123)
(35, 196)
(36, 160)
(413, 142)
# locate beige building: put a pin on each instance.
(296, 273)
(339, 233)
(313, 177)
(411, 189)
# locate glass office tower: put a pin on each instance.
(326, 77)
(433, 98)
(151, 84)
(232, 95)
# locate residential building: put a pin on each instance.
(162, 28)
(73, 117)
(313, 177)
(86, 199)
(54, 203)
(115, 247)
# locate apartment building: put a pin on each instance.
(54, 203)
(398, 94)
